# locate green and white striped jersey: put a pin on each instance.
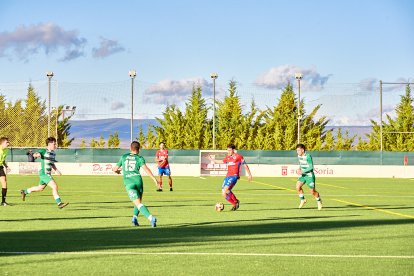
(306, 164)
(47, 160)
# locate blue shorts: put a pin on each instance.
(229, 181)
(164, 171)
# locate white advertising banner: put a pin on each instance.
(257, 170)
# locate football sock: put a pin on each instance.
(144, 210)
(57, 199)
(170, 182)
(302, 197)
(27, 191)
(230, 198)
(233, 197)
(136, 211)
(318, 199)
(161, 184)
(3, 194)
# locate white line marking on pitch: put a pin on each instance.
(207, 254)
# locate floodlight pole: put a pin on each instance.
(132, 75)
(50, 76)
(381, 140)
(214, 76)
(298, 76)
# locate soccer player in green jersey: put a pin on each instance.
(130, 163)
(47, 158)
(306, 176)
(4, 143)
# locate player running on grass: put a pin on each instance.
(130, 163)
(163, 166)
(47, 159)
(234, 162)
(4, 143)
(306, 176)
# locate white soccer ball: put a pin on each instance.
(219, 207)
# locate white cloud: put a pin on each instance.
(176, 91)
(26, 41)
(106, 48)
(278, 77)
(373, 84)
(363, 119)
(73, 54)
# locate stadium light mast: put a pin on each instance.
(298, 76)
(214, 76)
(381, 141)
(50, 76)
(132, 75)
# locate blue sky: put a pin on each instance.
(258, 43)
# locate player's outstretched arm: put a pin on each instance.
(37, 155)
(116, 169)
(249, 174)
(7, 167)
(56, 169)
(149, 172)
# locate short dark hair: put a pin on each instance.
(231, 146)
(301, 146)
(135, 146)
(2, 139)
(50, 140)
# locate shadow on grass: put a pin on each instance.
(56, 219)
(117, 238)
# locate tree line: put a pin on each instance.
(274, 128)
(25, 122)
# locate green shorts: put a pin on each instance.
(135, 190)
(309, 180)
(45, 179)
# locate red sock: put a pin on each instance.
(230, 198)
(233, 197)
(161, 184)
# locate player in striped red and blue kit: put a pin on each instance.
(234, 162)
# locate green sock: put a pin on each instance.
(136, 211)
(144, 210)
(58, 201)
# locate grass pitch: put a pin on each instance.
(366, 227)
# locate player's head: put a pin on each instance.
(300, 149)
(51, 143)
(162, 145)
(135, 146)
(231, 149)
(4, 142)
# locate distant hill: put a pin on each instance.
(88, 129)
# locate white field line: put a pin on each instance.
(206, 254)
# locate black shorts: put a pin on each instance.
(2, 173)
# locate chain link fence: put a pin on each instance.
(99, 110)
